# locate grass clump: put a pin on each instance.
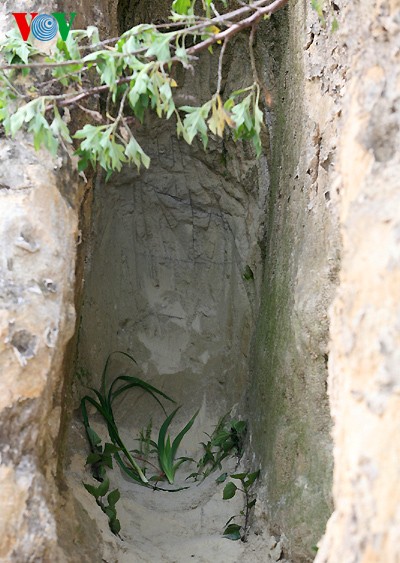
(103, 403)
(157, 460)
(167, 450)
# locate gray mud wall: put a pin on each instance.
(289, 361)
(171, 250)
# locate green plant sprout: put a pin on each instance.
(146, 445)
(226, 440)
(167, 449)
(108, 505)
(234, 531)
(103, 403)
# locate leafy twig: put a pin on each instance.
(236, 531)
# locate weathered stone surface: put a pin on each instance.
(291, 421)
(37, 318)
(335, 89)
(364, 383)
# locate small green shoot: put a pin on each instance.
(226, 440)
(248, 273)
(234, 531)
(323, 9)
(146, 445)
(104, 406)
(167, 450)
(107, 505)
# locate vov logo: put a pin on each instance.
(44, 27)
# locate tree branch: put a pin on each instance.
(260, 7)
(221, 58)
(237, 27)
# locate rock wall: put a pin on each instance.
(291, 424)
(364, 383)
(335, 168)
(178, 243)
(37, 318)
(40, 202)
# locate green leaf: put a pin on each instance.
(42, 134)
(132, 382)
(248, 273)
(182, 7)
(251, 477)
(181, 434)
(113, 497)
(111, 512)
(160, 48)
(23, 52)
(229, 491)
(99, 491)
(139, 86)
(91, 134)
(107, 460)
(239, 476)
(103, 488)
(93, 437)
(92, 490)
(232, 532)
(115, 526)
(222, 478)
(83, 160)
(239, 425)
(71, 46)
(92, 33)
(59, 128)
(166, 451)
(111, 449)
(181, 54)
(16, 121)
(183, 460)
(136, 154)
(241, 114)
(251, 504)
(195, 123)
(93, 458)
